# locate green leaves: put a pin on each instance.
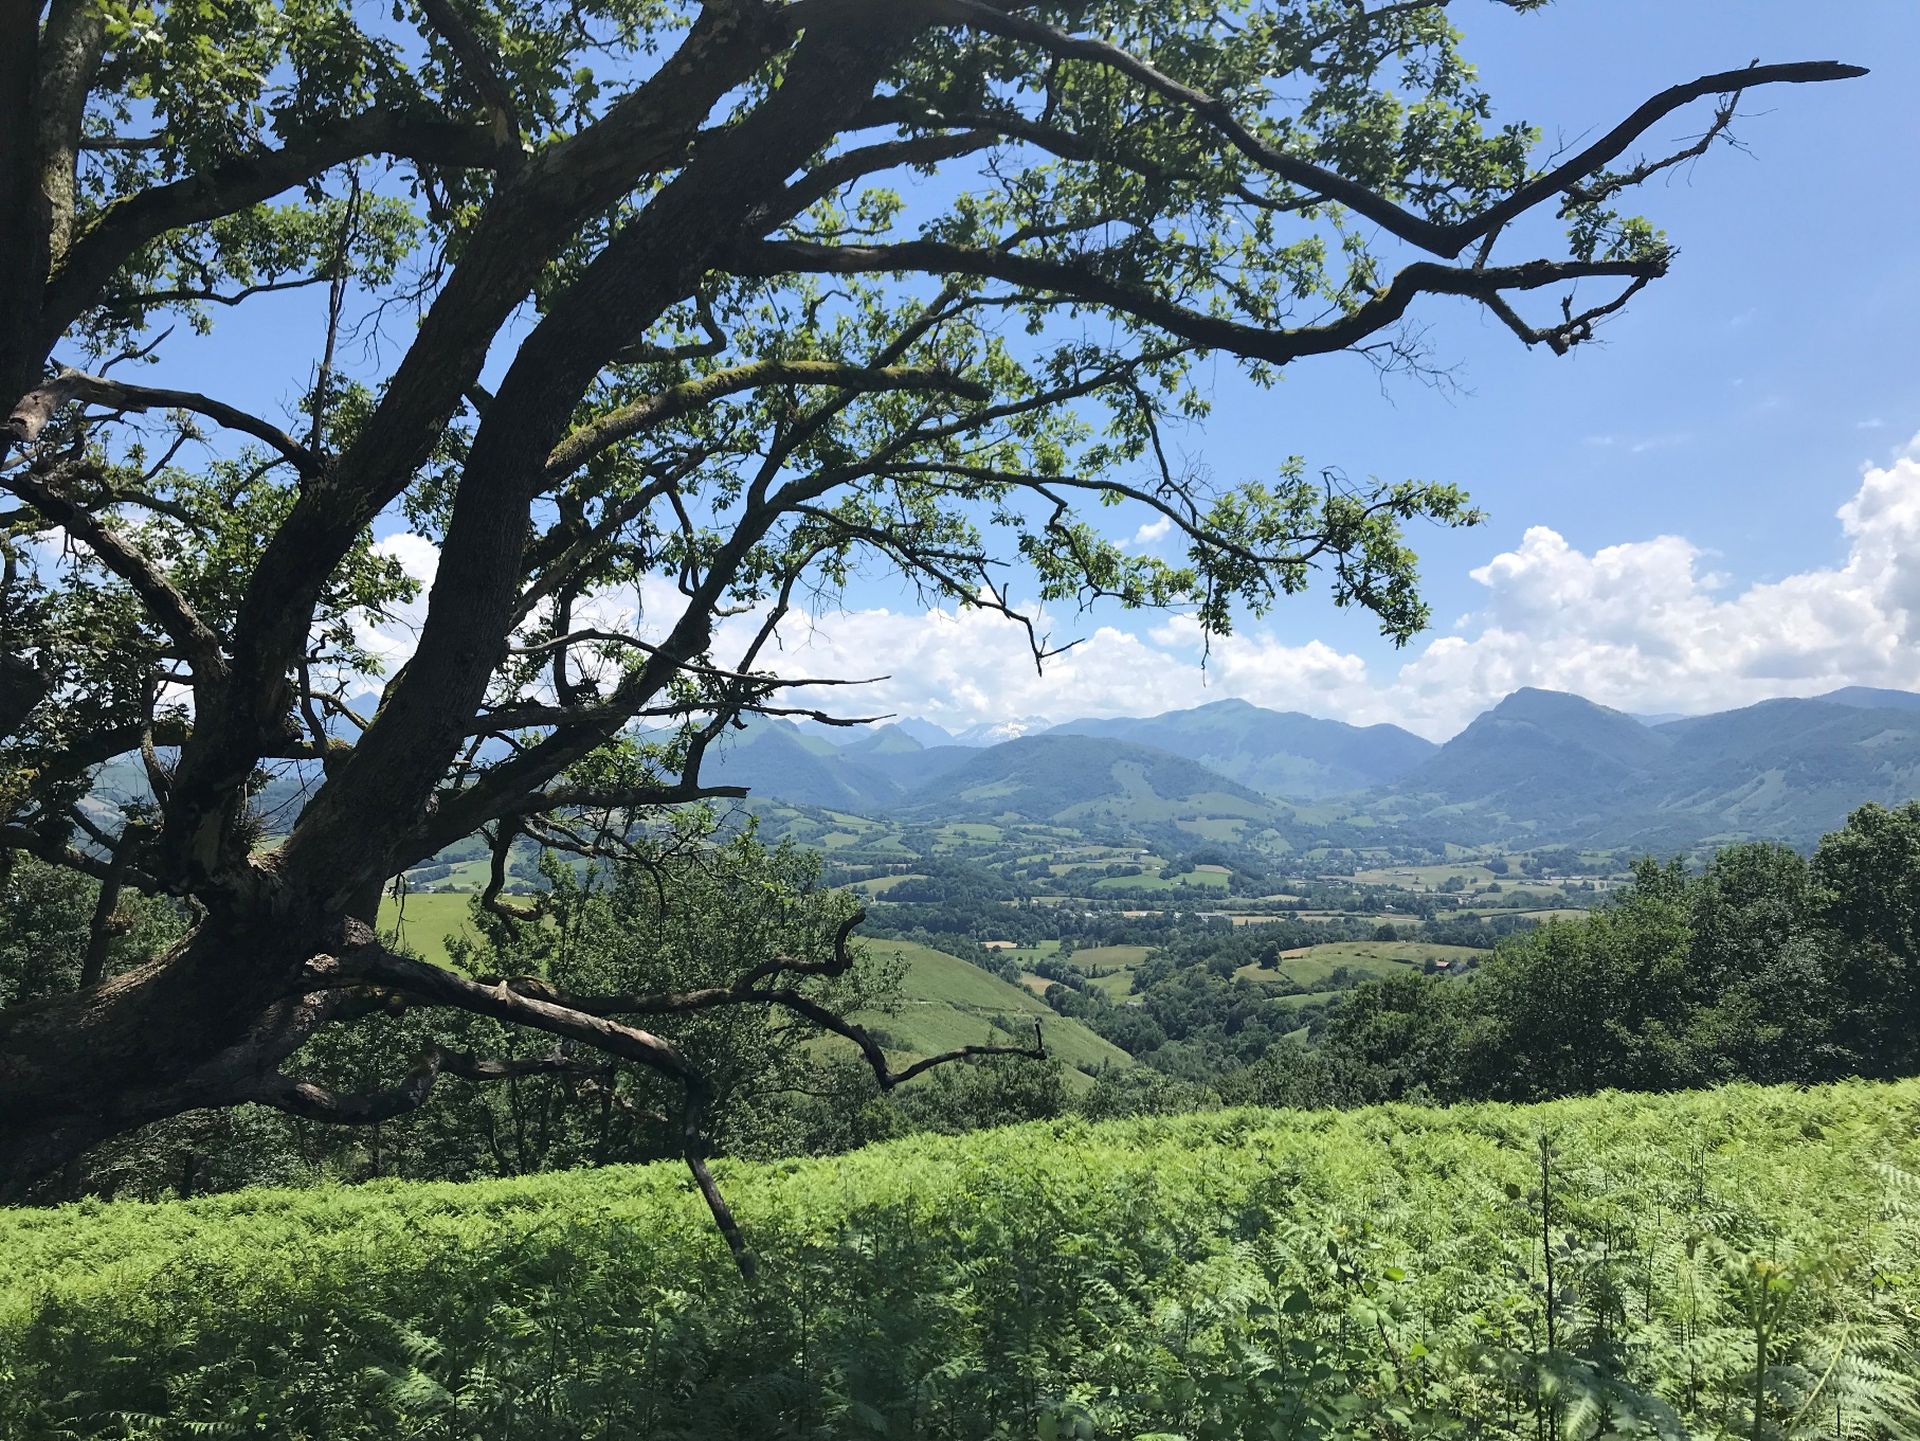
(1051, 1280)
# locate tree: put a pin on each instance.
(673, 326)
(1866, 884)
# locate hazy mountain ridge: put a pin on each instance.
(1280, 753)
(1555, 767)
(1081, 778)
(1541, 767)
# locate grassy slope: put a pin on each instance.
(425, 920)
(951, 1003)
(925, 1264)
(1313, 964)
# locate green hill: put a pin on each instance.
(1280, 753)
(1379, 1272)
(950, 1002)
(1071, 779)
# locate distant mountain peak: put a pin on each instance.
(924, 731)
(1867, 697)
(992, 733)
(884, 740)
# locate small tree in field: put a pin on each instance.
(732, 341)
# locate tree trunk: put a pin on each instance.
(201, 1026)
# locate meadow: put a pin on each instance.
(1736, 1263)
(947, 1002)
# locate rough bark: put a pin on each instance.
(200, 1026)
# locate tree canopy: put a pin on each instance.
(736, 297)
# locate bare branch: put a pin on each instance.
(37, 407)
(1084, 282)
(1573, 328)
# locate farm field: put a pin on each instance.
(1312, 964)
(1028, 1273)
(950, 1002)
(423, 921)
(1119, 983)
(1426, 877)
(1549, 913)
(880, 885)
(1192, 880)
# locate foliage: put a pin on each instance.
(46, 925)
(1740, 1263)
(728, 360)
(1763, 966)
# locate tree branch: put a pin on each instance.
(234, 185)
(1082, 282)
(1446, 241)
(174, 613)
(748, 990)
(37, 407)
(627, 421)
(478, 67)
(314, 1102)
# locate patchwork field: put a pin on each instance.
(951, 1003)
(1311, 965)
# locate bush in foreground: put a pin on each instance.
(1743, 1262)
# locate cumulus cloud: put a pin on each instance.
(1153, 531)
(391, 637)
(1644, 625)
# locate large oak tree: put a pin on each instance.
(740, 296)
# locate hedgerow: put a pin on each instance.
(1742, 1262)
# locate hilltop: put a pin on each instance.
(1544, 766)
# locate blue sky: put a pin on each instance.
(1663, 530)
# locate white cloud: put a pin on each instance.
(1645, 625)
(393, 638)
(1153, 531)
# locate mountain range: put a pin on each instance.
(1554, 766)
(1541, 767)
(1283, 753)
